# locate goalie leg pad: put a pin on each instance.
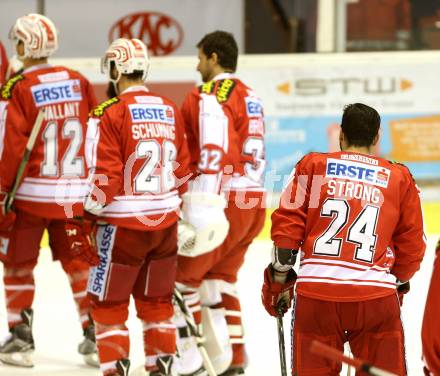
(211, 292)
(214, 323)
(216, 334)
(232, 307)
(223, 295)
(189, 359)
(191, 295)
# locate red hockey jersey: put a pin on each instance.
(225, 127)
(4, 64)
(55, 183)
(137, 150)
(358, 222)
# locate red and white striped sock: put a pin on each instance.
(159, 341)
(113, 344)
(19, 291)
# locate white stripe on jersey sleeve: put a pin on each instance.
(91, 144)
(213, 130)
(3, 114)
(213, 123)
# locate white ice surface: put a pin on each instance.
(57, 330)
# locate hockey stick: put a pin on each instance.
(334, 354)
(27, 152)
(192, 326)
(281, 345)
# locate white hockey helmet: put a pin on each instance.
(128, 55)
(38, 34)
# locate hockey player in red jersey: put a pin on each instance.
(356, 221)
(54, 184)
(431, 324)
(225, 129)
(139, 160)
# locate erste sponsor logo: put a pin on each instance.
(356, 171)
(144, 113)
(254, 107)
(56, 92)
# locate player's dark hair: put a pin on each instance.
(224, 45)
(135, 76)
(360, 124)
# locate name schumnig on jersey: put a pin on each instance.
(56, 92)
(359, 172)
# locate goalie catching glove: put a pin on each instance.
(81, 239)
(279, 281)
(204, 225)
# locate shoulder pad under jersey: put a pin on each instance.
(224, 90)
(403, 167)
(6, 90)
(207, 88)
(100, 108)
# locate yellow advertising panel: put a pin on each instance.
(416, 139)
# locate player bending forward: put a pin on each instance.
(54, 183)
(137, 151)
(357, 222)
(225, 128)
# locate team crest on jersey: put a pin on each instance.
(105, 237)
(360, 172)
(389, 253)
(100, 108)
(151, 113)
(207, 88)
(224, 90)
(8, 86)
(56, 92)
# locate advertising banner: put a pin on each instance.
(304, 97)
(171, 27)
